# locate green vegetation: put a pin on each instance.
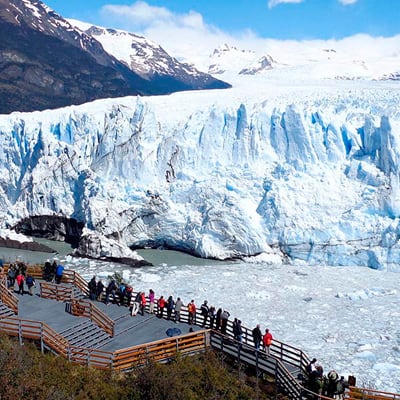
(25, 373)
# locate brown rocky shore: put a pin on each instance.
(32, 246)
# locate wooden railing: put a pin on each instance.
(7, 297)
(163, 350)
(84, 308)
(53, 291)
(259, 360)
(75, 279)
(356, 393)
(160, 351)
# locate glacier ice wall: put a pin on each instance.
(316, 179)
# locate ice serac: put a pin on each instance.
(313, 179)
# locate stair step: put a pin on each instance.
(82, 333)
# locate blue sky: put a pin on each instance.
(279, 19)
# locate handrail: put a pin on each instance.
(7, 297)
(262, 362)
(356, 393)
(160, 350)
(75, 279)
(59, 292)
(84, 308)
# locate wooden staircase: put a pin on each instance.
(85, 334)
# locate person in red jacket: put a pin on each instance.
(192, 312)
(143, 302)
(161, 305)
(20, 281)
(267, 340)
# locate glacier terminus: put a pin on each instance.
(281, 171)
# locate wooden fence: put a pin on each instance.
(7, 297)
(356, 393)
(160, 351)
(84, 308)
(53, 291)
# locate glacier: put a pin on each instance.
(299, 172)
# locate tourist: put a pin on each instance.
(212, 315)
(341, 386)
(20, 282)
(192, 313)
(218, 319)
(59, 273)
(332, 383)
(22, 268)
(53, 270)
(12, 273)
(170, 306)
(151, 301)
(128, 294)
(138, 300)
(224, 321)
(47, 271)
(234, 328)
(311, 366)
(99, 290)
(257, 337)
(143, 302)
(111, 289)
(204, 312)
(30, 282)
(121, 293)
(161, 305)
(178, 309)
(92, 286)
(267, 340)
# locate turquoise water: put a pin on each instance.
(61, 249)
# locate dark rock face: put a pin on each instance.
(51, 227)
(38, 71)
(100, 248)
(32, 246)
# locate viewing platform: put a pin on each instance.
(62, 319)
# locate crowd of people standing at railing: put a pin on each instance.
(122, 294)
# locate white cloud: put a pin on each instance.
(140, 13)
(189, 38)
(273, 3)
(347, 2)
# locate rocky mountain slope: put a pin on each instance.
(47, 63)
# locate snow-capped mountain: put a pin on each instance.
(148, 59)
(45, 62)
(265, 63)
(298, 61)
(306, 172)
(228, 58)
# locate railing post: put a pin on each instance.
(20, 333)
(41, 338)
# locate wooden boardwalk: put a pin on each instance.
(63, 320)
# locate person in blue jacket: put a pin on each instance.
(59, 273)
